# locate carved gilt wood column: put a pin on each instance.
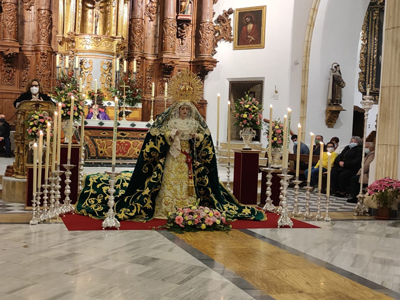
(136, 38)
(169, 28)
(387, 159)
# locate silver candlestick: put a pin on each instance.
(319, 216)
(217, 147)
(327, 218)
(45, 213)
(67, 207)
(296, 210)
(57, 188)
(279, 210)
(81, 167)
(268, 201)
(284, 219)
(52, 180)
(34, 220)
(111, 221)
(228, 175)
(360, 209)
(123, 109)
(307, 215)
(152, 108)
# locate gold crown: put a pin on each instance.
(185, 87)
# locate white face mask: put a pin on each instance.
(330, 149)
(34, 90)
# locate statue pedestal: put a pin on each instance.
(14, 190)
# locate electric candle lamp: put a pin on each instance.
(134, 66)
(152, 89)
(66, 62)
(117, 64)
(125, 66)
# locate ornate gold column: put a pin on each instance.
(387, 159)
(169, 27)
(9, 20)
(43, 50)
(136, 32)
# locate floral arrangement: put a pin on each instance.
(132, 92)
(384, 191)
(65, 87)
(37, 121)
(99, 99)
(196, 219)
(248, 112)
(277, 133)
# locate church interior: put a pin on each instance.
(321, 68)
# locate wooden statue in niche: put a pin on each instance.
(185, 10)
(94, 17)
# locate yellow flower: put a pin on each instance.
(31, 123)
(180, 214)
(186, 218)
(190, 223)
(203, 226)
(210, 214)
(194, 216)
(244, 115)
(218, 222)
(275, 138)
(276, 126)
(193, 207)
(34, 129)
(36, 117)
(246, 105)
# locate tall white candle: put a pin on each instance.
(57, 60)
(114, 145)
(117, 64)
(66, 62)
(229, 131)
(59, 135)
(77, 62)
(166, 90)
(82, 130)
(46, 170)
(328, 178)
(270, 137)
(80, 85)
(125, 66)
(40, 153)
(218, 104)
(95, 86)
(321, 157)
(134, 66)
(285, 126)
(55, 129)
(152, 89)
(35, 153)
(310, 157)
(298, 151)
(70, 133)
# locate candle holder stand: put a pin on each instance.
(76, 72)
(152, 108)
(165, 103)
(34, 220)
(360, 209)
(217, 148)
(327, 218)
(52, 181)
(307, 215)
(228, 176)
(284, 219)
(67, 207)
(268, 202)
(45, 213)
(111, 221)
(279, 209)
(296, 210)
(318, 216)
(57, 187)
(58, 72)
(123, 108)
(81, 167)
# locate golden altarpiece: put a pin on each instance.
(162, 36)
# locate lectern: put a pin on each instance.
(245, 176)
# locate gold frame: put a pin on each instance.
(259, 14)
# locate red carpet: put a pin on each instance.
(78, 222)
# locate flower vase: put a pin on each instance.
(247, 134)
(276, 159)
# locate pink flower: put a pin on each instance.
(223, 220)
(196, 222)
(41, 120)
(279, 141)
(237, 115)
(209, 221)
(217, 214)
(241, 102)
(179, 220)
(29, 130)
(244, 121)
(250, 116)
(281, 125)
(278, 131)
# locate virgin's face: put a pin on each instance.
(183, 111)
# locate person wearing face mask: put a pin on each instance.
(5, 134)
(303, 147)
(355, 181)
(346, 165)
(33, 92)
(335, 141)
(319, 138)
(315, 170)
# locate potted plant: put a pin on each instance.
(384, 192)
(248, 112)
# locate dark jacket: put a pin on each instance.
(316, 149)
(28, 96)
(351, 157)
(5, 130)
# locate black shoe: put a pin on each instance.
(352, 200)
(340, 195)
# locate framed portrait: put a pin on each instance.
(249, 31)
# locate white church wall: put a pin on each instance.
(335, 39)
(271, 64)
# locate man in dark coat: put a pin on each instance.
(5, 134)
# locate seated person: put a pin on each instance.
(99, 110)
(346, 165)
(335, 141)
(33, 92)
(315, 170)
(319, 138)
(303, 150)
(355, 180)
(5, 134)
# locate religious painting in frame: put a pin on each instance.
(249, 31)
